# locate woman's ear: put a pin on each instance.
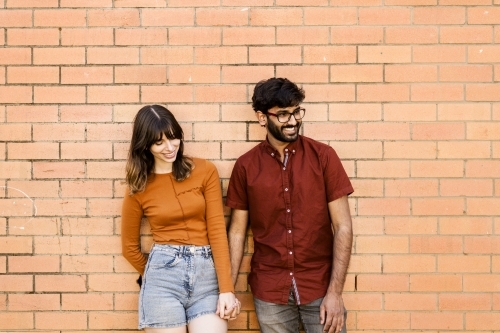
(261, 118)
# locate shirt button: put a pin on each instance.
(284, 168)
(289, 231)
(291, 273)
(286, 189)
(293, 151)
(286, 149)
(290, 252)
(288, 210)
(272, 154)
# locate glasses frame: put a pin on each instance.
(290, 114)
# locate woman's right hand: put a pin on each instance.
(228, 306)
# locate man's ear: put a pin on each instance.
(261, 118)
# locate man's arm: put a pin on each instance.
(236, 238)
(332, 308)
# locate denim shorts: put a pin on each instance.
(179, 285)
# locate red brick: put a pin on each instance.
(16, 94)
(16, 320)
(275, 54)
(384, 16)
(15, 132)
(410, 73)
(58, 170)
(439, 321)
(276, 16)
(32, 74)
(483, 53)
(438, 53)
(409, 112)
(33, 226)
(330, 93)
(437, 283)
(411, 35)
(483, 169)
(87, 36)
(82, 264)
(383, 169)
(105, 169)
(105, 207)
(438, 15)
(33, 188)
(16, 18)
(330, 16)
(482, 244)
(118, 56)
(465, 226)
(59, 132)
(35, 151)
(61, 320)
(237, 112)
(15, 56)
(151, 94)
(381, 244)
(351, 112)
(60, 18)
(102, 132)
(411, 188)
(410, 225)
(141, 3)
(59, 94)
(324, 55)
(382, 282)
(466, 187)
(437, 169)
(221, 55)
(170, 55)
(193, 3)
(86, 75)
(355, 150)
(468, 111)
(113, 17)
(168, 17)
(83, 113)
(234, 93)
(462, 264)
(467, 302)
(362, 301)
(207, 150)
(303, 74)
(468, 34)
(221, 17)
(31, 3)
(86, 150)
(17, 207)
(87, 226)
(467, 73)
(113, 282)
(359, 3)
(87, 3)
(91, 301)
(383, 131)
(15, 170)
(435, 131)
(61, 207)
(16, 245)
(365, 264)
(427, 206)
(32, 36)
(482, 283)
(483, 15)
(382, 320)
(383, 92)
(302, 35)
(29, 264)
(113, 320)
(16, 283)
(59, 56)
(246, 74)
(384, 54)
(356, 73)
(144, 36)
(437, 92)
(219, 131)
(409, 263)
(248, 35)
(385, 206)
(410, 150)
(60, 283)
(113, 94)
(411, 302)
(482, 321)
(34, 302)
(194, 74)
(194, 36)
(356, 35)
(241, 2)
(483, 131)
(483, 206)
(410, 2)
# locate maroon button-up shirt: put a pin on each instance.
(288, 213)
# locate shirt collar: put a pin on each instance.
(292, 146)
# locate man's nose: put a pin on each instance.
(292, 120)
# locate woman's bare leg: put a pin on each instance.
(181, 329)
(209, 323)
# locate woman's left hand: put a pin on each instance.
(228, 306)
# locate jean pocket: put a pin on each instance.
(162, 259)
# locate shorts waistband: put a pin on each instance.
(204, 250)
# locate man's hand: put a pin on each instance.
(331, 313)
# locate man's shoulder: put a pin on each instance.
(251, 154)
(308, 143)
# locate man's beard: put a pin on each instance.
(277, 132)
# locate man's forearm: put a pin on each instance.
(341, 256)
(236, 238)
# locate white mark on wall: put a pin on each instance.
(27, 196)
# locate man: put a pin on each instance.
(293, 190)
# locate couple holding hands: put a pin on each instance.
(291, 189)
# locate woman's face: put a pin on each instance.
(165, 150)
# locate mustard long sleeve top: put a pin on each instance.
(179, 213)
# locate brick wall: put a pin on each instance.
(406, 91)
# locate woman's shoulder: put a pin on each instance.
(201, 165)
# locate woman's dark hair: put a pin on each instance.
(150, 123)
(276, 92)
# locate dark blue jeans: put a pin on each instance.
(286, 318)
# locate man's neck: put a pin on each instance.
(278, 145)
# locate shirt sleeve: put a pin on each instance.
(216, 228)
(237, 190)
(337, 182)
(131, 232)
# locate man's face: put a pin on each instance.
(285, 132)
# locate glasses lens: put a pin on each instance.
(299, 114)
(284, 117)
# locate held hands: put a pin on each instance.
(331, 313)
(228, 306)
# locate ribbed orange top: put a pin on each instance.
(179, 213)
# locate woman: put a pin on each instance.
(182, 200)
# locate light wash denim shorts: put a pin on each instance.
(179, 285)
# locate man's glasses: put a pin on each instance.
(284, 117)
